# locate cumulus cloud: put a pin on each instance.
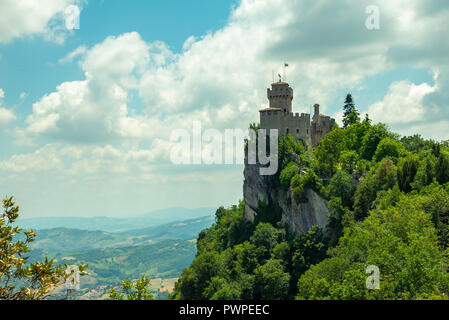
(19, 18)
(403, 103)
(220, 78)
(94, 109)
(80, 51)
(6, 115)
(72, 160)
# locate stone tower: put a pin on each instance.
(280, 96)
(279, 115)
(321, 125)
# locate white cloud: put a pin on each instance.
(6, 116)
(402, 104)
(80, 51)
(19, 18)
(89, 159)
(93, 109)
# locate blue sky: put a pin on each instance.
(86, 115)
(30, 64)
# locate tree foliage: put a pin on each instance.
(20, 279)
(350, 113)
(401, 241)
(133, 290)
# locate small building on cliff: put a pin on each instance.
(279, 115)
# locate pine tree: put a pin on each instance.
(351, 114)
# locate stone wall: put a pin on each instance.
(299, 217)
(321, 125)
(294, 124)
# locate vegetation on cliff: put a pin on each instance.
(388, 198)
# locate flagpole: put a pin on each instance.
(283, 76)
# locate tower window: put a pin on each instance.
(286, 131)
(297, 131)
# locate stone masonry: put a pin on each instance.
(279, 116)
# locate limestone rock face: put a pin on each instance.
(299, 217)
(255, 189)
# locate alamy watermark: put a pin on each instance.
(372, 22)
(214, 147)
(373, 281)
(73, 280)
(72, 17)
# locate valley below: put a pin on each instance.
(160, 252)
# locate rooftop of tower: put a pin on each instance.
(279, 83)
(270, 109)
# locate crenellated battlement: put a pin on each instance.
(279, 116)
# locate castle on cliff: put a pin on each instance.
(279, 115)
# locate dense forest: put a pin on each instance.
(388, 200)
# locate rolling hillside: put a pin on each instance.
(151, 219)
(161, 252)
(107, 267)
(66, 240)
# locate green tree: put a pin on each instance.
(342, 185)
(328, 152)
(442, 169)
(266, 236)
(133, 290)
(416, 143)
(407, 169)
(287, 174)
(353, 117)
(19, 279)
(228, 291)
(195, 279)
(281, 251)
(350, 113)
(249, 256)
(381, 177)
(425, 173)
(308, 249)
(335, 220)
(355, 133)
(371, 140)
(401, 241)
(348, 160)
(289, 150)
(271, 281)
(389, 148)
(434, 200)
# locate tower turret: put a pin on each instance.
(280, 96)
(316, 113)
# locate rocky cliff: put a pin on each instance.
(299, 217)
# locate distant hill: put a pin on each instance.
(150, 219)
(160, 252)
(65, 239)
(176, 230)
(109, 266)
